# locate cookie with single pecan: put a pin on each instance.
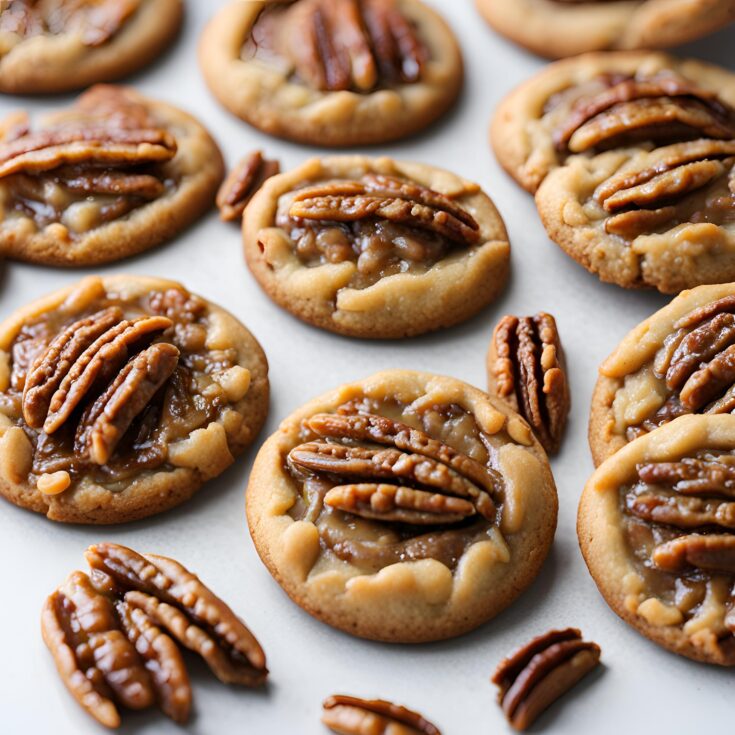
(405, 507)
(377, 248)
(558, 28)
(114, 634)
(121, 396)
(656, 526)
(679, 361)
(332, 72)
(113, 175)
(61, 45)
(598, 102)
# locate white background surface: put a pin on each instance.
(640, 689)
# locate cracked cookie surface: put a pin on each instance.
(405, 507)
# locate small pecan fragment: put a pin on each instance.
(242, 183)
(352, 716)
(95, 660)
(693, 475)
(386, 197)
(539, 673)
(662, 506)
(364, 462)
(95, 23)
(707, 383)
(526, 369)
(636, 222)
(178, 601)
(711, 552)
(162, 659)
(396, 503)
(79, 180)
(104, 423)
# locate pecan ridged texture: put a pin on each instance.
(353, 716)
(114, 635)
(242, 183)
(337, 45)
(526, 370)
(664, 108)
(655, 193)
(416, 480)
(539, 673)
(377, 196)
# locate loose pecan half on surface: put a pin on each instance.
(539, 673)
(526, 369)
(416, 479)
(664, 108)
(113, 635)
(352, 44)
(352, 716)
(242, 183)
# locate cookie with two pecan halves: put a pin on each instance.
(404, 507)
(376, 248)
(332, 72)
(114, 634)
(121, 396)
(656, 525)
(113, 175)
(558, 28)
(526, 368)
(61, 45)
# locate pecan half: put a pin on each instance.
(714, 474)
(663, 506)
(539, 673)
(663, 108)
(352, 716)
(711, 552)
(526, 369)
(242, 183)
(96, 661)
(107, 419)
(177, 600)
(352, 44)
(390, 198)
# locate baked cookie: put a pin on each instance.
(602, 101)
(61, 45)
(526, 369)
(371, 247)
(113, 175)
(121, 396)
(678, 361)
(558, 28)
(333, 72)
(405, 507)
(656, 526)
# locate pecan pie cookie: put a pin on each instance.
(61, 45)
(113, 175)
(121, 396)
(557, 28)
(114, 634)
(657, 529)
(405, 507)
(602, 101)
(332, 72)
(371, 247)
(679, 361)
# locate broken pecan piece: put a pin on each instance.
(353, 716)
(713, 474)
(178, 601)
(526, 370)
(663, 506)
(242, 183)
(539, 673)
(711, 552)
(386, 197)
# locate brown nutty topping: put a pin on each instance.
(388, 198)
(177, 601)
(710, 474)
(352, 44)
(539, 673)
(353, 716)
(662, 506)
(526, 369)
(242, 183)
(712, 552)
